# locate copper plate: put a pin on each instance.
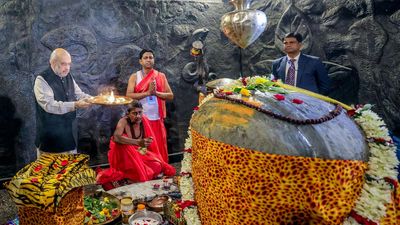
(157, 203)
(104, 100)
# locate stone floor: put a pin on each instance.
(8, 210)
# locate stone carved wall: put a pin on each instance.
(105, 37)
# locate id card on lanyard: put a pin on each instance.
(151, 100)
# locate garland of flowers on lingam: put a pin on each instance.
(186, 185)
(380, 177)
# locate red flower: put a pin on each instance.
(178, 214)
(34, 180)
(297, 101)
(55, 165)
(64, 162)
(38, 168)
(114, 212)
(196, 108)
(58, 176)
(391, 181)
(380, 140)
(184, 204)
(279, 97)
(351, 112)
(244, 81)
(62, 171)
(186, 174)
(360, 219)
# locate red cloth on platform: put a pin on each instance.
(126, 161)
(157, 125)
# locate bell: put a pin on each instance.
(243, 25)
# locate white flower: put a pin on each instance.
(374, 196)
(365, 107)
(187, 189)
(186, 163)
(383, 161)
(372, 125)
(350, 221)
(191, 216)
(188, 143)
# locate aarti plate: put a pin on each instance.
(108, 100)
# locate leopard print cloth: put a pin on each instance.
(70, 211)
(234, 185)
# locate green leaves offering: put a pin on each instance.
(258, 83)
(98, 209)
(278, 90)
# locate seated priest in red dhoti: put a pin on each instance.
(133, 153)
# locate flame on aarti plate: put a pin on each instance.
(111, 98)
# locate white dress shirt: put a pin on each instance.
(45, 97)
(296, 66)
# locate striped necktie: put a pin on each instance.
(290, 76)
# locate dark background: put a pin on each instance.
(105, 37)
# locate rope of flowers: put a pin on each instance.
(332, 114)
(186, 182)
(381, 175)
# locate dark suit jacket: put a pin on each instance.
(311, 73)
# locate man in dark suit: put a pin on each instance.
(300, 70)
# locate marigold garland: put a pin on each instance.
(381, 176)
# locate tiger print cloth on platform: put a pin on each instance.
(43, 183)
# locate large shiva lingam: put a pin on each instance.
(268, 153)
(243, 25)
